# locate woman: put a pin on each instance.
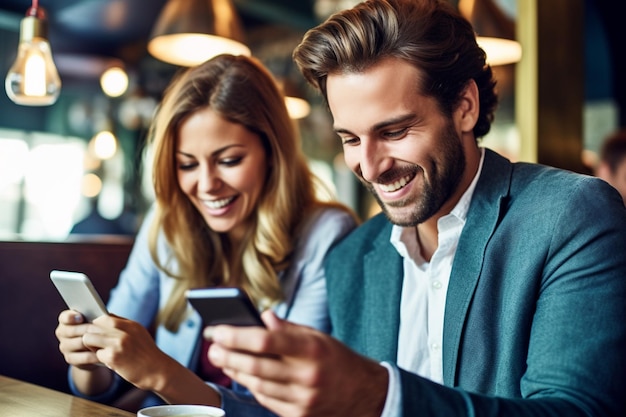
(235, 206)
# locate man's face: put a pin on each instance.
(396, 140)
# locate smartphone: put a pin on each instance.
(224, 306)
(79, 293)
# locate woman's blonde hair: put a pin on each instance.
(242, 91)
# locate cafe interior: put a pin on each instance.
(75, 179)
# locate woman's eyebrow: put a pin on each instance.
(215, 152)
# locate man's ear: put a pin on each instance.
(466, 114)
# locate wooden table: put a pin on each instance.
(22, 399)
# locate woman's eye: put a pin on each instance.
(186, 166)
(229, 162)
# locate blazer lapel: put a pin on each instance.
(383, 286)
(484, 214)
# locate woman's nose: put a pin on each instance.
(209, 180)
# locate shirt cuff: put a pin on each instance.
(393, 403)
(106, 397)
(239, 402)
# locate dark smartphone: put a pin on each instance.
(224, 306)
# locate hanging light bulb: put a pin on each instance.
(114, 81)
(33, 79)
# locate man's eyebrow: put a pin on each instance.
(381, 125)
(339, 130)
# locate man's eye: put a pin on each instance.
(349, 141)
(395, 133)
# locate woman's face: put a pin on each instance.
(222, 167)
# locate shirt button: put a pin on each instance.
(437, 285)
(434, 346)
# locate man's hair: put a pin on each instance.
(613, 150)
(429, 34)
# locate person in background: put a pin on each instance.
(612, 165)
(236, 206)
(96, 224)
(486, 288)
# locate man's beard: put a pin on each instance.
(437, 188)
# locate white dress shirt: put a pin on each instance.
(423, 300)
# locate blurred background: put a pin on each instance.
(78, 165)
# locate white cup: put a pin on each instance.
(179, 410)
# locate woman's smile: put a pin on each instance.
(222, 167)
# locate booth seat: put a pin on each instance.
(30, 304)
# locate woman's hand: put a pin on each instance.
(127, 348)
(70, 331)
(90, 377)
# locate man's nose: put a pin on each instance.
(373, 160)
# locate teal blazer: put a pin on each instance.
(535, 318)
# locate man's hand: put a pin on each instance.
(297, 371)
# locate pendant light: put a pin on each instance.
(188, 32)
(297, 106)
(500, 51)
(33, 79)
(495, 31)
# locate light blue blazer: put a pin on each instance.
(143, 289)
(535, 318)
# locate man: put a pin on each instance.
(485, 289)
(612, 166)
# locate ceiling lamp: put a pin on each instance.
(33, 79)
(495, 28)
(297, 106)
(500, 51)
(189, 32)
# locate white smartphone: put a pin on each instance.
(79, 293)
(224, 306)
